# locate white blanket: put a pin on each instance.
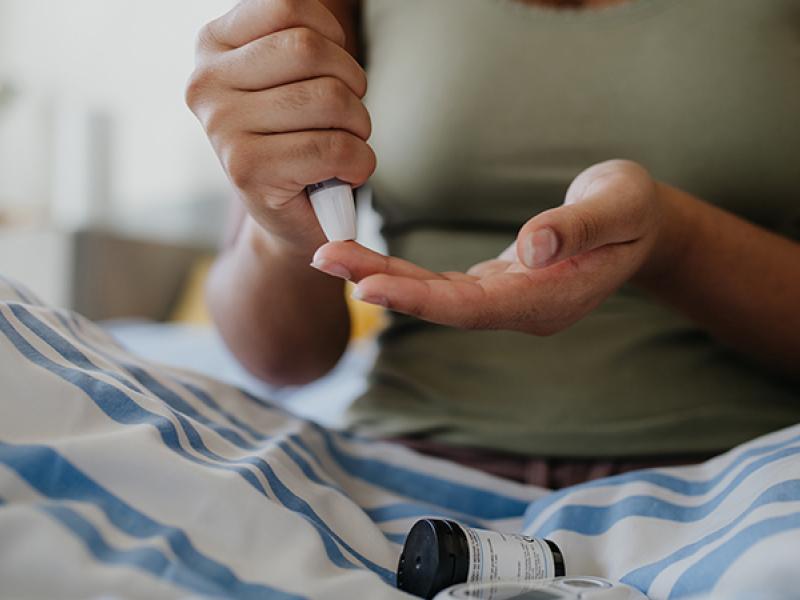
(127, 479)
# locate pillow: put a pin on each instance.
(367, 320)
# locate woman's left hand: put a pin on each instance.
(565, 262)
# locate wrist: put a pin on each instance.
(673, 239)
(267, 246)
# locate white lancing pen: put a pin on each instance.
(335, 207)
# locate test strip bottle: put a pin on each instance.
(439, 554)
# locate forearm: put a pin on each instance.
(736, 280)
(284, 321)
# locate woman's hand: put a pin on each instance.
(565, 261)
(280, 98)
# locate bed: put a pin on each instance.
(125, 477)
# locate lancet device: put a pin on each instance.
(335, 207)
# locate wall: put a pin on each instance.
(128, 61)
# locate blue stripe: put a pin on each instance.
(450, 495)
(460, 498)
(122, 409)
(686, 487)
(304, 465)
(595, 520)
(381, 514)
(150, 560)
(302, 444)
(401, 510)
(426, 488)
(70, 353)
(119, 406)
(56, 478)
(179, 404)
(264, 404)
(701, 577)
(76, 330)
(313, 476)
(396, 538)
(206, 399)
(116, 404)
(643, 577)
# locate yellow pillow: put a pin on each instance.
(191, 306)
(366, 320)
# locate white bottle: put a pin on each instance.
(335, 208)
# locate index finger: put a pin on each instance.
(250, 20)
(358, 262)
(454, 303)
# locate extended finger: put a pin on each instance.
(253, 19)
(453, 303)
(352, 261)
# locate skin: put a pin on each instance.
(280, 95)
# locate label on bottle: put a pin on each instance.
(497, 556)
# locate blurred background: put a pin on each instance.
(112, 202)
(96, 144)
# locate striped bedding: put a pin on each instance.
(121, 478)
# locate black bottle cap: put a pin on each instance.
(435, 556)
(558, 559)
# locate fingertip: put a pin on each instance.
(370, 297)
(321, 254)
(332, 250)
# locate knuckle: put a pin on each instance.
(371, 163)
(585, 231)
(340, 146)
(362, 83)
(304, 43)
(239, 165)
(198, 86)
(334, 93)
(217, 119)
(365, 122)
(369, 128)
(282, 10)
(206, 38)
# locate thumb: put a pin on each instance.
(607, 206)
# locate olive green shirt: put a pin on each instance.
(484, 111)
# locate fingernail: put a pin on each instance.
(539, 248)
(332, 268)
(378, 300)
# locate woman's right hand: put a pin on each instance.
(281, 101)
